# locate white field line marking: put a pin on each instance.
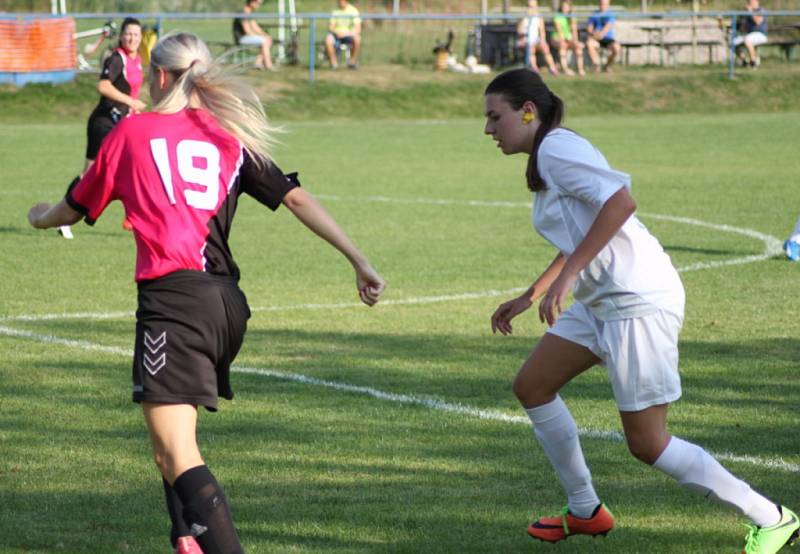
(431, 403)
(772, 247)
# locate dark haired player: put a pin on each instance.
(120, 82)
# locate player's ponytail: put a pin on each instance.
(523, 85)
(200, 82)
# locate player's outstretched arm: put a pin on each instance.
(45, 216)
(306, 208)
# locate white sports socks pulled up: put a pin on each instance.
(556, 431)
(695, 469)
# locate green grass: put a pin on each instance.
(313, 469)
(382, 92)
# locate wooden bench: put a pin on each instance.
(626, 47)
(786, 46)
(674, 47)
(230, 52)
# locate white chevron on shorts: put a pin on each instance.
(153, 345)
(156, 363)
(153, 366)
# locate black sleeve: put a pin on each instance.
(267, 184)
(112, 68)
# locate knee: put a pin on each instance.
(160, 459)
(530, 394)
(645, 449)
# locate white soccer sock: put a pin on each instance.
(556, 431)
(695, 469)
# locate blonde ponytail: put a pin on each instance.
(203, 83)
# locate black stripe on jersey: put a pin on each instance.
(268, 185)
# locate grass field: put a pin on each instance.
(357, 430)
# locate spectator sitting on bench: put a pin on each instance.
(247, 32)
(754, 33)
(565, 38)
(532, 37)
(601, 35)
(345, 28)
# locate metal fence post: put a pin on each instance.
(732, 53)
(312, 52)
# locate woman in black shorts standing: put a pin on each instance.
(179, 172)
(119, 86)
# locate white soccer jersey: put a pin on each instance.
(632, 276)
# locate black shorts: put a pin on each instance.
(348, 40)
(606, 42)
(96, 130)
(189, 328)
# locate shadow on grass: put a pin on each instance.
(709, 251)
(305, 473)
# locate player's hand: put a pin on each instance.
(138, 106)
(552, 304)
(370, 285)
(35, 214)
(502, 316)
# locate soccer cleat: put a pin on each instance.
(65, 231)
(557, 528)
(792, 250)
(769, 540)
(187, 545)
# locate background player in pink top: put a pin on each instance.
(119, 86)
(179, 172)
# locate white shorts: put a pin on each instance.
(754, 38)
(252, 40)
(640, 354)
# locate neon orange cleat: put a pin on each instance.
(557, 528)
(187, 545)
(127, 225)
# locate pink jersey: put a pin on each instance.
(132, 70)
(179, 177)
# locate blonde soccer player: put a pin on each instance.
(627, 314)
(179, 172)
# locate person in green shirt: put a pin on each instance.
(344, 29)
(565, 38)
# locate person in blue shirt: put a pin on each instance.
(601, 35)
(754, 33)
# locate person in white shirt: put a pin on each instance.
(627, 315)
(532, 38)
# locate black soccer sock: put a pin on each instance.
(175, 509)
(206, 511)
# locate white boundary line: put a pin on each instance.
(427, 402)
(772, 247)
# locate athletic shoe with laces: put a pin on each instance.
(769, 540)
(792, 250)
(187, 545)
(561, 527)
(65, 231)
